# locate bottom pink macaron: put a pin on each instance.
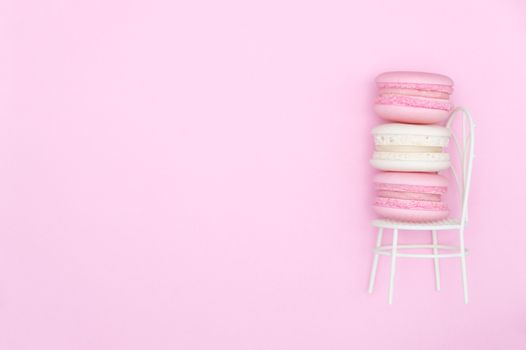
(413, 197)
(410, 215)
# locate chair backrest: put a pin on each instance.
(464, 146)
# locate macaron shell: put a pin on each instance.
(417, 182)
(410, 214)
(411, 129)
(411, 156)
(410, 166)
(412, 115)
(414, 77)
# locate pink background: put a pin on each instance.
(194, 175)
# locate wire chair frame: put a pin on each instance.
(464, 149)
(466, 155)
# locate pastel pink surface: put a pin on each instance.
(413, 115)
(192, 175)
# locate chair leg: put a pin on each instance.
(393, 265)
(463, 262)
(372, 276)
(437, 265)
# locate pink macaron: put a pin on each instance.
(416, 197)
(413, 97)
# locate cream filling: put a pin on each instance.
(410, 156)
(416, 140)
(409, 149)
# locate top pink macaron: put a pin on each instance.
(413, 97)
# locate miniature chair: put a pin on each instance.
(462, 180)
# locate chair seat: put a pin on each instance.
(445, 224)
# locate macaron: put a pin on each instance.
(413, 97)
(416, 197)
(409, 147)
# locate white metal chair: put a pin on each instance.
(462, 176)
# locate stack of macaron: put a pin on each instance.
(408, 150)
